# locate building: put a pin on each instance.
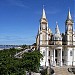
(58, 49)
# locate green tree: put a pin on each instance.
(9, 65)
(31, 61)
(24, 46)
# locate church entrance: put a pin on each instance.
(58, 56)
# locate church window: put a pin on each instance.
(70, 53)
(43, 53)
(49, 53)
(62, 53)
(49, 61)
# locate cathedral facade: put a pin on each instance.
(58, 49)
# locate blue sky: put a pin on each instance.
(19, 19)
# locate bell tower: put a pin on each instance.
(43, 29)
(69, 39)
(69, 29)
(43, 39)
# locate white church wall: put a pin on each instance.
(69, 56)
(73, 56)
(44, 52)
(40, 39)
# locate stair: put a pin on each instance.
(62, 71)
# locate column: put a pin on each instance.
(61, 57)
(68, 56)
(47, 52)
(51, 57)
(54, 55)
(54, 63)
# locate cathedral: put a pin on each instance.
(57, 48)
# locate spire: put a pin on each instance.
(69, 15)
(57, 35)
(43, 14)
(57, 29)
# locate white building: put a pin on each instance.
(57, 49)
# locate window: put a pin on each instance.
(43, 53)
(70, 53)
(49, 53)
(62, 53)
(49, 61)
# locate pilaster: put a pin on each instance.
(54, 62)
(73, 56)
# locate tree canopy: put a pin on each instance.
(32, 61)
(9, 65)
